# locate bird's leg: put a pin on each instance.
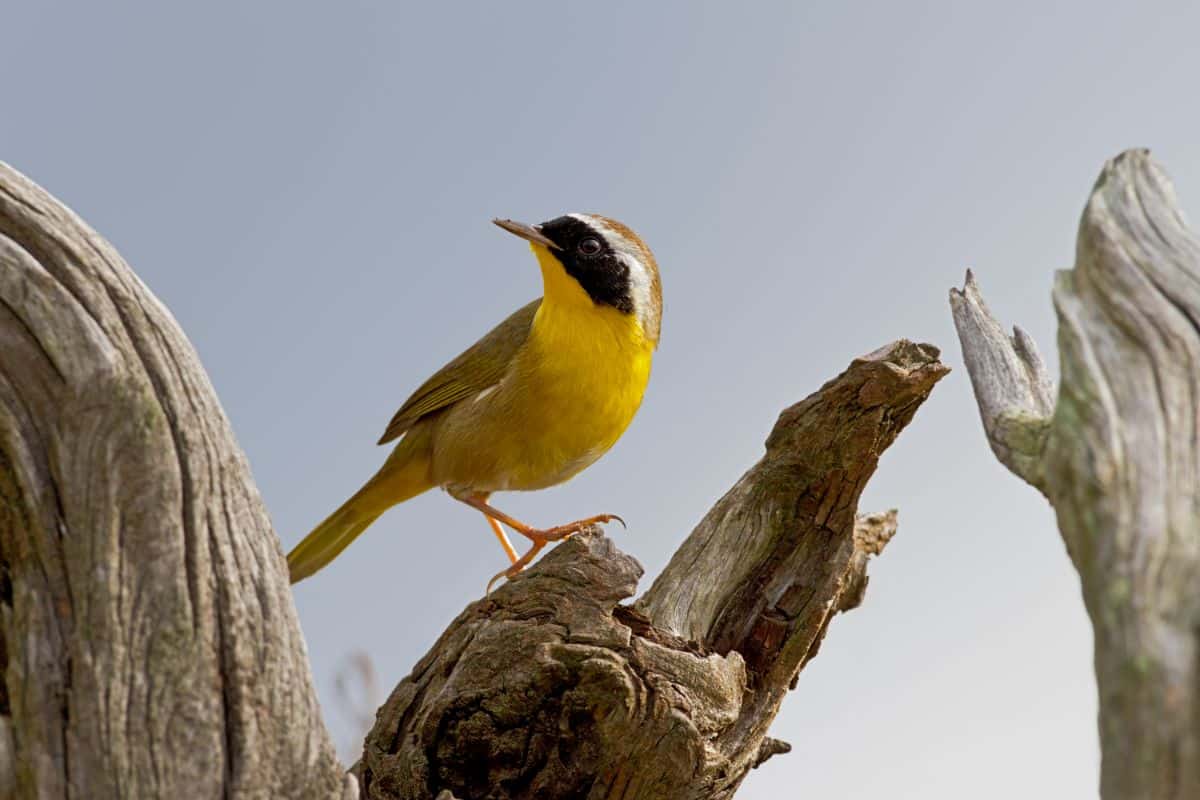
(509, 550)
(539, 537)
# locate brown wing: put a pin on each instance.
(479, 367)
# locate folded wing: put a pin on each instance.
(479, 367)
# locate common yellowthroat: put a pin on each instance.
(542, 396)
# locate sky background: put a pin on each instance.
(309, 190)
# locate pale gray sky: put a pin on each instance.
(309, 190)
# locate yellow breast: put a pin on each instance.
(572, 391)
(584, 371)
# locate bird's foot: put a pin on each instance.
(560, 532)
(518, 565)
(541, 538)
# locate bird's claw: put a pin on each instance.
(559, 532)
(492, 582)
(541, 538)
(515, 568)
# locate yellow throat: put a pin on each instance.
(593, 360)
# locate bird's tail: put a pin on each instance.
(400, 479)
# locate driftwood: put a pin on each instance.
(148, 639)
(1117, 452)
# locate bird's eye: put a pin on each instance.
(589, 246)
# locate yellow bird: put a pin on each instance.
(542, 396)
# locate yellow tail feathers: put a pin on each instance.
(400, 479)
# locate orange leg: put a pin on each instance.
(540, 538)
(509, 550)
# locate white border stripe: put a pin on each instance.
(630, 253)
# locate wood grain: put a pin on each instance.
(1117, 453)
(150, 642)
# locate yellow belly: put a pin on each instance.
(571, 393)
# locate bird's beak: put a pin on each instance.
(528, 232)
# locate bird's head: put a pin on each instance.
(602, 257)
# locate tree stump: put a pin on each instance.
(1117, 453)
(150, 643)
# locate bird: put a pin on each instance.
(534, 402)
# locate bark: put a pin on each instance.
(551, 688)
(148, 642)
(1117, 454)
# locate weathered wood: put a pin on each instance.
(150, 644)
(1118, 456)
(1013, 390)
(549, 688)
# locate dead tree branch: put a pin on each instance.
(549, 688)
(1118, 456)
